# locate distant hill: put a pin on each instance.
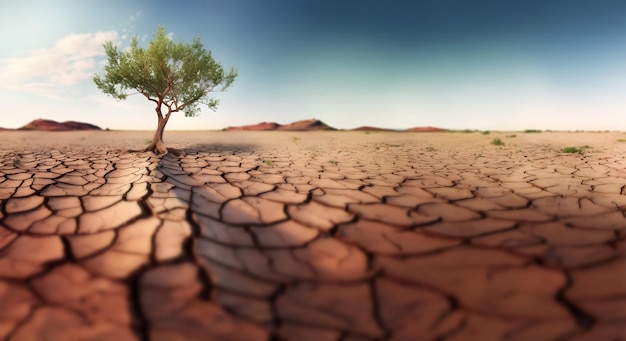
(370, 128)
(425, 129)
(311, 124)
(258, 126)
(315, 124)
(50, 125)
(303, 125)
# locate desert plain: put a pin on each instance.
(313, 236)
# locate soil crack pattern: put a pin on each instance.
(314, 236)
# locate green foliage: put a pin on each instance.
(178, 76)
(532, 131)
(486, 132)
(572, 150)
(497, 142)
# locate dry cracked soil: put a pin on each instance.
(313, 236)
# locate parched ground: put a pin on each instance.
(313, 236)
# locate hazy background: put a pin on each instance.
(506, 65)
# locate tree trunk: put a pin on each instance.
(158, 146)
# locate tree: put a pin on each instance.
(175, 76)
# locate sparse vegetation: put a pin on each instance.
(332, 162)
(314, 151)
(512, 135)
(295, 139)
(385, 144)
(147, 141)
(621, 140)
(269, 162)
(533, 131)
(430, 149)
(486, 132)
(497, 142)
(572, 150)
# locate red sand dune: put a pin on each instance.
(315, 124)
(425, 129)
(303, 125)
(311, 124)
(50, 125)
(370, 128)
(258, 126)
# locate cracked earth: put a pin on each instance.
(312, 236)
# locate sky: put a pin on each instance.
(456, 64)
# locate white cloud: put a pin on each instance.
(51, 71)
(128, 25)
(133, 18)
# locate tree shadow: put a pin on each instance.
(219, 148)
(189, 195)
(250, 256)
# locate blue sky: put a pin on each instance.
(481, 64)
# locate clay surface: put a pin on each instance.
(312, 236)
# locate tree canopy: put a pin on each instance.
(175, 76)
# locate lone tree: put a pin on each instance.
(175, 76)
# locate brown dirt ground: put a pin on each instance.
(313, 236)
